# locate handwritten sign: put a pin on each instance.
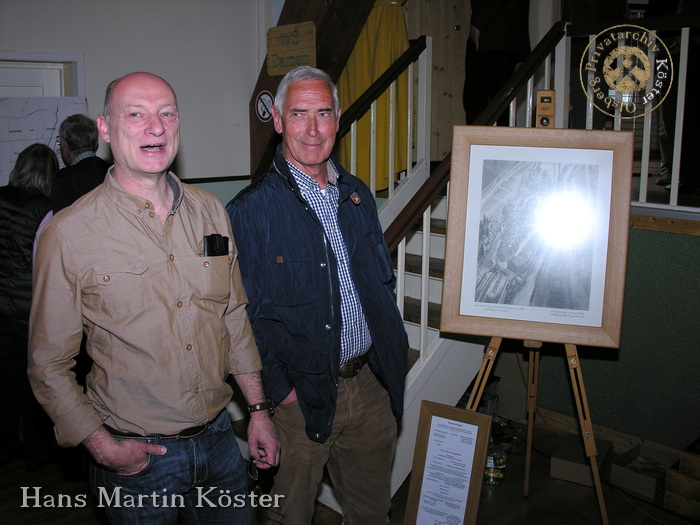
(290, 46)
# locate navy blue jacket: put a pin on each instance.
(290, 275)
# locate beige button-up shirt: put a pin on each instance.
(165, 325)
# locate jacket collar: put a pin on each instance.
(347, 184)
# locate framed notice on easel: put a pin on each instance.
(448, 465)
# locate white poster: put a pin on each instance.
(25, 121)
(448, 467)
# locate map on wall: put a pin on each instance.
(24, 121)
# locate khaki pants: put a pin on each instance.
(359, 454)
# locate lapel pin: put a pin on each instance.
(355, 198)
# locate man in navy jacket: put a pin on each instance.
(320, 286)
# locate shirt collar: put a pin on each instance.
(83, 155)
(134, 203)
(306, 182)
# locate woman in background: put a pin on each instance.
(24, 202)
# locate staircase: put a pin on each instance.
(444, 364)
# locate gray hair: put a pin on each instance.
(35, 168)
(299, 74)
(79, 133)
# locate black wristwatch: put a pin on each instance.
(265, 405)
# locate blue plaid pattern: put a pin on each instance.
(355, 338)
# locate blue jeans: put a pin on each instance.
(201, 479)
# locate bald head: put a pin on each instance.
(128, 79)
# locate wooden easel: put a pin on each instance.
(533, 374)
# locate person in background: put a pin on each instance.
(320, 286)
(146, 266)
(23, 204)
(77, 142)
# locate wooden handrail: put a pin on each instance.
(440, 176)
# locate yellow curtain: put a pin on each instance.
(383, 39)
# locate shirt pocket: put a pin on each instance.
(291, 274)
(215, 277)
(122, 288)
(382, 269)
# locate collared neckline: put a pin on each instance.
(83, 155)
(138, 205)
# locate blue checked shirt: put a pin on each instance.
(355, 339)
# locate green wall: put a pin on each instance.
(225, 191)
(650, 387)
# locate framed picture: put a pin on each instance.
(448, 465)
(537, 233)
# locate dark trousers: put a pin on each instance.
(358, 454)
(23, 420)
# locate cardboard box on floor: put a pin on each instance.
(686, 507)
(642, 471)
(569, 461)
(682, 494)
(690, 459)
(682, 484)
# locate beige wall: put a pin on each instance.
(447, 22)
(208, 50)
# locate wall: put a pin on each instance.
(208, 51)
(650, 387)
(447, 21)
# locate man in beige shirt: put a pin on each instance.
(146, 266)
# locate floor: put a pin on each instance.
(550, 501)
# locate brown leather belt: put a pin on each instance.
(185, 434)
(353, 366)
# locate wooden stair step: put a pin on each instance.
(411, 312)
(414, 264)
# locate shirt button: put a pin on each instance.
(147, 205)
(189, 347)
(196, 390)
(206, 264)
(328, 327)
(179, 304)
(172, 257)
(106, 278)
(151, 215)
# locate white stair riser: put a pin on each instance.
(414, 244)
(414, 285)
(439, 210)
(413, 332)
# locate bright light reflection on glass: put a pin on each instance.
(564, 220)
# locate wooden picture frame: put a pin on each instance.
(448, 465)
(537, 233)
